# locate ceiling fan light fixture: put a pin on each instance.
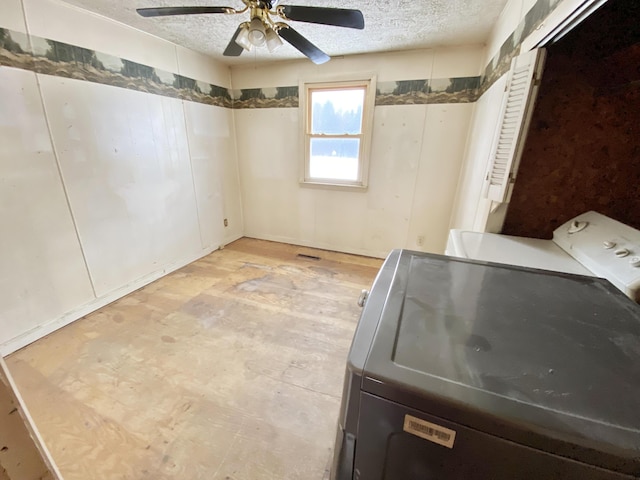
(261, 30)
(273, 40)
(257, 34)
(243, 38)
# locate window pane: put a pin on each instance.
(334, 158)
(337, 112)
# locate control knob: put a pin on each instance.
(609, 244)
(577, 226)
(635, 261)
(621, 252)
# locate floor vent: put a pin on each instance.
(308, 257)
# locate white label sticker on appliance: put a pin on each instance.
(429, 431)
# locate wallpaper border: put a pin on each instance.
(51, 57)
(501, 61)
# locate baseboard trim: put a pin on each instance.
(320, 245)
(231, 239)
(51, 326)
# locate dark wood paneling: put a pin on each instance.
(583, 148)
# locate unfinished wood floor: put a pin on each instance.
(228, 369)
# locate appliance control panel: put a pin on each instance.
(608, 248)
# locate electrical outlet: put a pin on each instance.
(226, 222)
(420, 240)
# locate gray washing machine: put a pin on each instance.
(464, 370)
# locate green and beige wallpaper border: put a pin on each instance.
(434, 90)
(50, 57)
(501, 61)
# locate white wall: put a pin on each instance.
(471, 208)
(507, 23)
(103, 189)
(416, 155)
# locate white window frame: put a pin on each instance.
(369, 82)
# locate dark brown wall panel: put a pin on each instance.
(583, 148)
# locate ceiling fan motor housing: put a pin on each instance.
(269, 4)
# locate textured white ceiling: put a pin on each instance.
(389, 25)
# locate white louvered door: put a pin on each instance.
(515, 115)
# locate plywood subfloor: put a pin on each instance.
(228, 369)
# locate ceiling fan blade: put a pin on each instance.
(340, 17)
(316, 55)
(165, 11)
(233, 49)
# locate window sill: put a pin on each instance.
(333, 186)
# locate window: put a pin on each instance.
(337, 132)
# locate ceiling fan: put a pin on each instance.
(262, 29)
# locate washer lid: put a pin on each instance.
(547, 359)
(526, 252)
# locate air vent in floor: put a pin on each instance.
(308, 257)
